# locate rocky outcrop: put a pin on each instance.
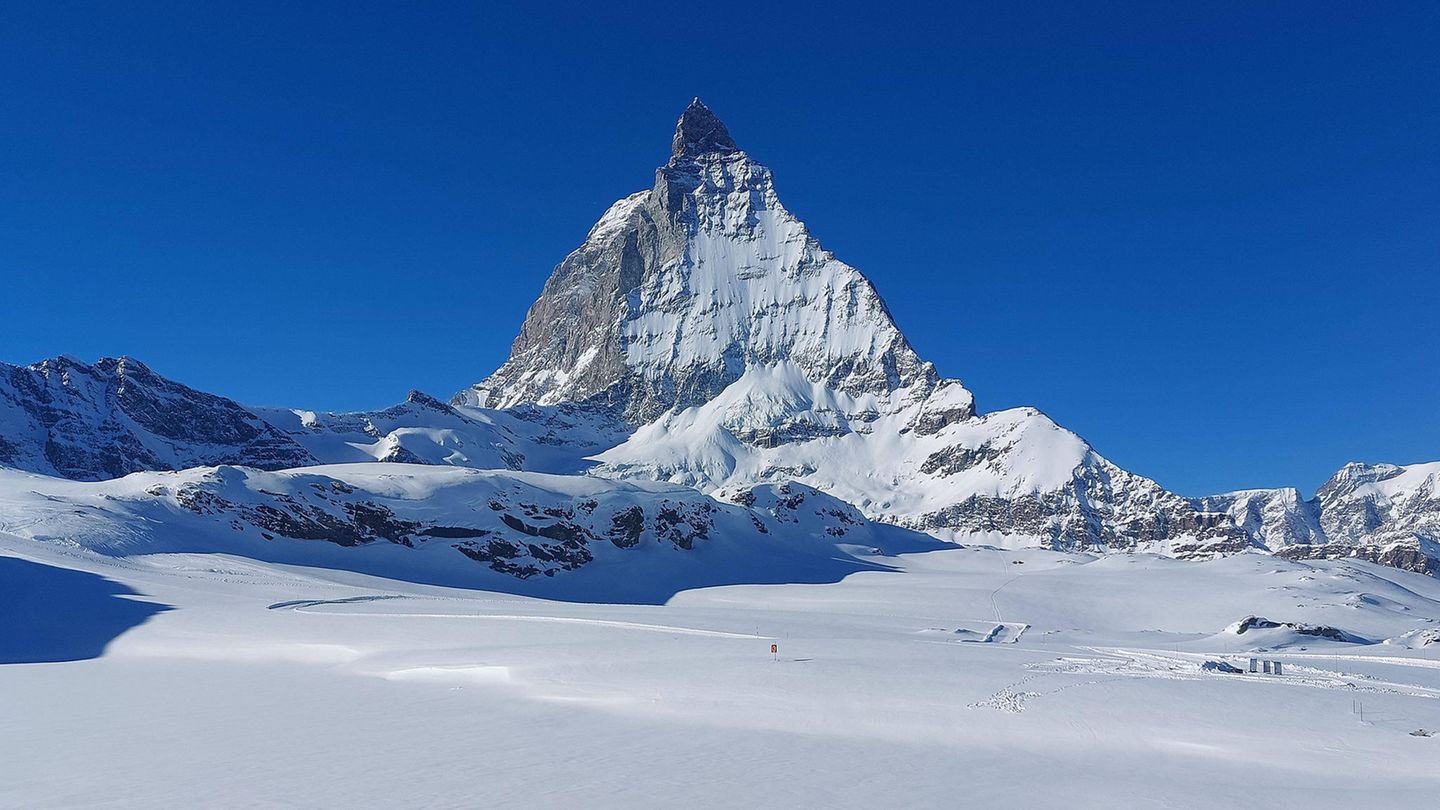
(1406, 555)
(1249, 623)
(518, 532)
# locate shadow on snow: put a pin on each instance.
(50, 614)
(649, 577)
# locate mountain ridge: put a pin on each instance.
(701, 336)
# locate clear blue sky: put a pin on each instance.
(1206, 238)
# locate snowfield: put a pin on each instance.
(959, 677)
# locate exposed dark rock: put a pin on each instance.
(401, 455)
(953, 460)
(700, 132)
(453, 531)
(626, 527)
(1408, 556)
(1319, 631)
(500, 555)
(681, 525)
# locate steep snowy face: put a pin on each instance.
(680, 289)
(90, 422)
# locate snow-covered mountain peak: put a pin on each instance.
(1356, 475)
(679, 290)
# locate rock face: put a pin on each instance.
(91, 422)
(1271, 517)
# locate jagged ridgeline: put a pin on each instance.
(700, 335)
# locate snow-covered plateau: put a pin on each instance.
(713, 534)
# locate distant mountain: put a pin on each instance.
(86, 422)
(701, 336)
(92, 422)
(424, 430)
(1384, 513)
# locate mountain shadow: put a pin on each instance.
(50, 614)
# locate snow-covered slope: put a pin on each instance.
(424, 430)
(1012, 477)
(1013, 679)
(500, 530)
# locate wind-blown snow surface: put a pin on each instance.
(257, 684)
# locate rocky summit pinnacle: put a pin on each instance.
(699, 132)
